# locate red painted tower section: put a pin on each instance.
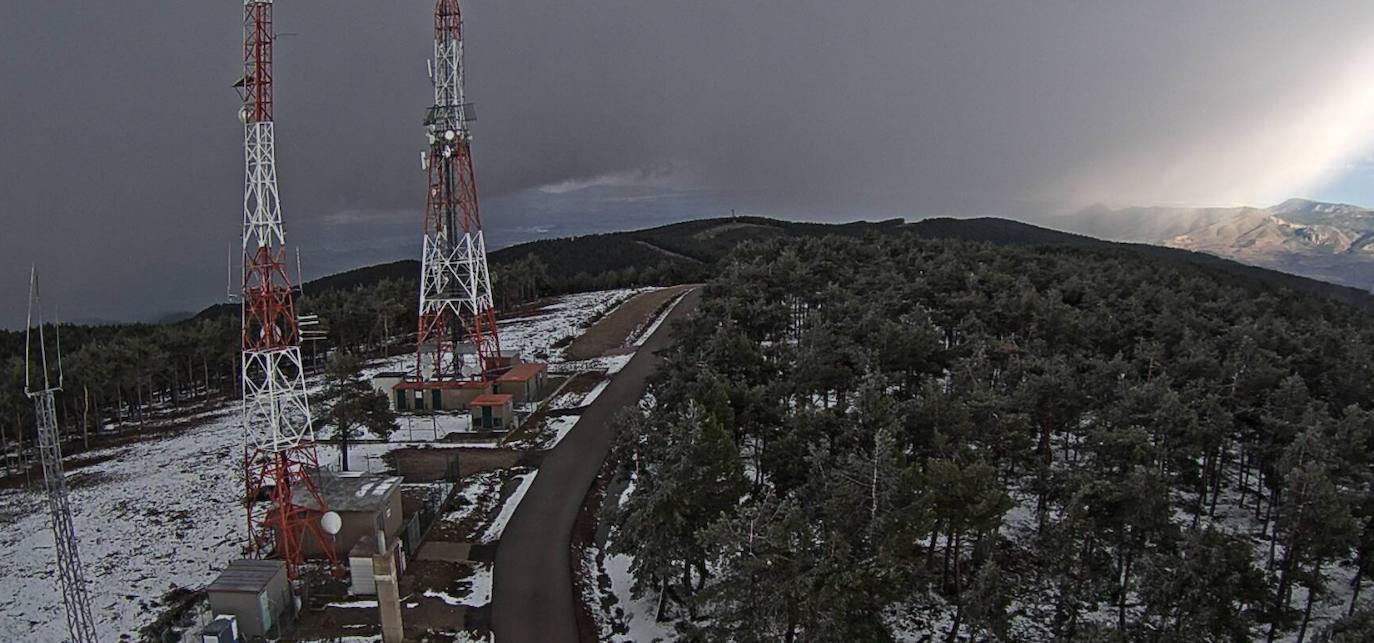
(457, 338)
(279, 448)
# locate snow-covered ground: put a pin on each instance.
(556, 428)
(477, 591)
(163, 512)
(498, 524)
(637, 614)
(476, 495)
(622, 617)
(567, 317)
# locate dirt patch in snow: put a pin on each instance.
(614, 330)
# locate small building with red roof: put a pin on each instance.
(524, 382)
(436, 395)
(493, 412)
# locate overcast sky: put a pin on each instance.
(121, 159)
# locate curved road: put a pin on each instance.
(533, 598)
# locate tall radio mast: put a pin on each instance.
(279, 447)
(69, 573)
(455, 287)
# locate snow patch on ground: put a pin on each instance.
(609, 364)
(478, 589)
(622, 617)
(498, 524)
(361, 603)
(637, 614)
(556, 428)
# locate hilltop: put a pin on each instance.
(688, 251)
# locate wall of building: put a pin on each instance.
(505, 413)
(247, 606)
(525, 391)
(357, 524)
(450, 399)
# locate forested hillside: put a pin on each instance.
(115, 370)
(862, 439)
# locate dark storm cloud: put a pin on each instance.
(121, 157)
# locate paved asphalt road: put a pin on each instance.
(533, 597)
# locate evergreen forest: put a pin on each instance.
(855, 438)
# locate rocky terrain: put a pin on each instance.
(1327, 241)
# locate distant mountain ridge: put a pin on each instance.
(688, 251)
(1327, 241)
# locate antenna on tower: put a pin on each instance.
(71, 578)
(229, 273)
(28, 334)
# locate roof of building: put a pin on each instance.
(391, 374)
(425, 385)
(492, 399)
(247, 576)
(522, 372)
(348, 492)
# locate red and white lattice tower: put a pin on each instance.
(279, 448)
(455, 287)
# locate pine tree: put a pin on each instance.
(353, 405)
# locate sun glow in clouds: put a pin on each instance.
(1295, 142)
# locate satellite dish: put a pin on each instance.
(331, 523)
(243, 114)
(450, 134)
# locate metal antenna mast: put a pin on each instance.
(279, 446)
(455, 287)
(69, 571)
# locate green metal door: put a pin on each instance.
(436, 400)
(486, 417)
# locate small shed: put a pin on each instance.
(493, 412)
(256, 593)
(368, 506)
(436, 395)
(385, 383)
(523, 381)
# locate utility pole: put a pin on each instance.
(69, 572)
(279, 445)
(455, 286)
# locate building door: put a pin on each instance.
(400, 400)
(264, 605)
(486, 417)
(437, 400)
